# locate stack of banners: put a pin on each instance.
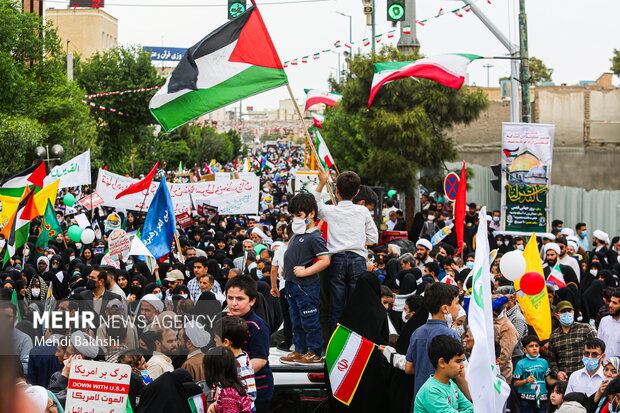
(96, 386)
(235, 196)
(233, 62)
(527, 156)
(346, 359)
(448, 69)
(74, 172)
(535, 308)
(315, 96)
(490, 392)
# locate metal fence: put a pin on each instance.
(598, 209)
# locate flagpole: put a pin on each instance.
(301, 120)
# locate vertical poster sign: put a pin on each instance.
(97, 387)
(527, 156)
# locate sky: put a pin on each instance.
(575, 39)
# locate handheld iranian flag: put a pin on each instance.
(317, 120)
(556, 277)
(346, 358)
(447, 69)
(325, 157)
(233, 62)
(315, 96)
(198, 403)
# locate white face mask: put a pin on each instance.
(460, 330)
(431, 218)
(495, 219)
(449, 319)
(299, 225)
(594, 272)
(35, 292)
(507, 243)
(520, 247)
(71, 258)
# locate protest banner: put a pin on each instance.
(97, 387)
(91, 200)
(184, 219)
(74, 172)
(236, 196)
(113, 221)
(527, 155)
(118, 243)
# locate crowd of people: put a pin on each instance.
(285, 280)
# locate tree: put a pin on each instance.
(404, 130)
(120, 69)
(35, 91)
(18, 138)
(539, 72)
(615, 60)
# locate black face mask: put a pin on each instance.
(135, 289)
(90, 285)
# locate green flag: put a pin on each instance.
(50, 228)
(16, 304)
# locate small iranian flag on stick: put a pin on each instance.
(317, 119)
(556, 277)
(346, 359)
(447, 69)
(314, 96)
(322, 151)
(198, 403)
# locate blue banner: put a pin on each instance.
(160, 223)
(174, 54)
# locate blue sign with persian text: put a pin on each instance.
(174, 54)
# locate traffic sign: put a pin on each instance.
(451, 186)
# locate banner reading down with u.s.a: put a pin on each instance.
(527, 157)
(235, 196)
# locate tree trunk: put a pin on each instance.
(410, 206)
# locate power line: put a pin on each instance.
(197, 5)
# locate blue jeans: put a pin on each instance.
(344, 269)
(529, 406)
(303, 301)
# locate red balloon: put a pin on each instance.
(532, 283)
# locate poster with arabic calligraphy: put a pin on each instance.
(235, 196)
(97, 387)
(527, 157)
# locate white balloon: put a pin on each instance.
(512, 265)
(88, 236)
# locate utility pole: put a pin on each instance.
(409, 43)
(513, 50)
(372, 24)
(525, 65)
(488, 67)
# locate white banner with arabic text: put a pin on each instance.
(235, 196)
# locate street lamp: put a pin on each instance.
(43, 153)
(350, 30)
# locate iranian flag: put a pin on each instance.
(556, 277)
(198, 403)
(233, 62)
(346, 358)
(322, 151)
(315, 96)
(317, 120)
(447, 69)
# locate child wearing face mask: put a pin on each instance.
(305, 256)
(531, 376)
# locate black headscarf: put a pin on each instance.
(592, 300)
(169, 393)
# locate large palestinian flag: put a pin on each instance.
(448, 69)
(233, 62)
(14, 186)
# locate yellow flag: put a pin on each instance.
(535, 307)
(48, 192)
(9, 204)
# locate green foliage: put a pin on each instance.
(18, 138)
(35, 90)
(404, 130)
(118, 69)
(539, 72)
(615, 66)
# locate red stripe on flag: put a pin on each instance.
(352, 379)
